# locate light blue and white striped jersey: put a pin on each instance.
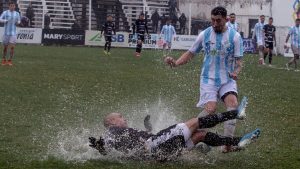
(295, 36)
(12, 17)
(168, 31)
(234, 26)
(259, 31)
(221, 52)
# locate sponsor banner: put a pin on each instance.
(183, 42)
(94, 38)
(26, 35)
(151, 41)
(63, 37)
(248, 46)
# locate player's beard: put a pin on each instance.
(219, 29)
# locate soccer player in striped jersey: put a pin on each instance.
(223, 48)
(140, 27)
(259, 33)
(108, 28)
(11, 19)
(294, 33)
(231, 23)
(168, 31)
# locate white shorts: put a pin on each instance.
(8, 39)
(260, 42)
(211, 93)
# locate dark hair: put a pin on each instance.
(262, 16)
(232, 14)
(219, 11)
(298, 19)
(11, 2)
(271, 18)
(142, 14)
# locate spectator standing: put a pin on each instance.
(155, 19)
(47, 21)
(182, 22)
(30, 14)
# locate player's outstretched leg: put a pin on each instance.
(249, 138)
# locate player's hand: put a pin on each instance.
(147, 123)
(170, 61)
(233, 75)
(98, 144)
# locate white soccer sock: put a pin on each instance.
(229, 126)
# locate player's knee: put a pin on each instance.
(231, 101)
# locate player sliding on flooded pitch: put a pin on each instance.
(170, 142)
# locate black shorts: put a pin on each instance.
(269, 45)
(141, 37)
(108, 38)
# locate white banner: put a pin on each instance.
(94, 38)
(184, 42)
(26, 35)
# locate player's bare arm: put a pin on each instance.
(185, 58)
(238, 69)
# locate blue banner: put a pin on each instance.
(249, 46)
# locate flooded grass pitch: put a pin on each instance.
(54, 98)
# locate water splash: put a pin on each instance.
(71, 144)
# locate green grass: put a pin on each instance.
(60, 94)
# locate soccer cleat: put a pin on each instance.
(3, 63)
(9, 63)
(249, 138)
(242, 108)
(108, 53)
(296, 70)
(105, 52)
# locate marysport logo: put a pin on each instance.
(96, 38)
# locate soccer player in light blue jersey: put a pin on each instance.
(223, 48)
(231, 23)
(260, 38)
(294, 33)
(168, 32)
(11, 19)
